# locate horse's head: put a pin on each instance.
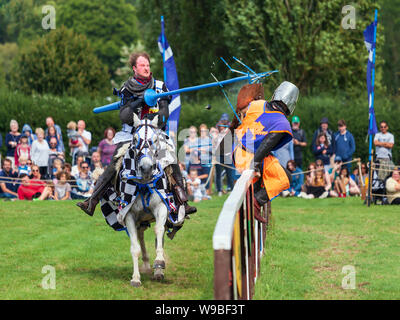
(145, 144)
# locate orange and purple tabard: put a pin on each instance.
(248, 137)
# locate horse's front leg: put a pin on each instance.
(135, 249)
(145, 256)
(159, 229)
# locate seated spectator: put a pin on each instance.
(393, 187)
(35, 175)
(29, 190)
(23, 167)
(106, 147)
(62, 189)
(40, 152)
(309, 176)
(27, 131)
(297, 180)
(8, 187)
(320, 165)
(23, 149)
(55, 151)
(95, 161)
(334, 172)
(84, 183)
(56, 168)
(356, 176)
(344, 185)
(195, 189)
(318, 187)
(322, 150)
(12, 139)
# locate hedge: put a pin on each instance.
(34, 110)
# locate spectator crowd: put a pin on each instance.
(35, 167)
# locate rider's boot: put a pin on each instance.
(179, 190)
(101, 186)
(260, 198)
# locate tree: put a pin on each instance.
(108, 24)
(304, 40)
(194, 30)
(8, 51)
(21, 20)
(389, 17)
(60, 62)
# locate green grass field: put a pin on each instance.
(308, 244)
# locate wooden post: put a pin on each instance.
(223, 275)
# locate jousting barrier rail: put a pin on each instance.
(238, 243)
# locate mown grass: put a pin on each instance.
(94, 262)
(312, 240)
(308, 244)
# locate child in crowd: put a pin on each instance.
(62, 189)
(56, 167)
(73, 137)
(297, 180)
(344, 185)
(22, 149)
(23, 167)
(195, 189)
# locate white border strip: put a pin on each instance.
(222, 238)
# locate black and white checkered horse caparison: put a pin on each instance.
(145, 143)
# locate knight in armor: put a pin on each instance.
(132, 101)
(264, 128)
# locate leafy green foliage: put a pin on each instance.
(60, 62)
(390, 19)
(304, 40)
(194, 30)
(21, 20)
(108, 24)
(7, 53)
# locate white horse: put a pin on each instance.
(148, 185)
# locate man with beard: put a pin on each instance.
(132, 101)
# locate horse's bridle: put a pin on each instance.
(144, 143)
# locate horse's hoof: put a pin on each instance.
(145, 270)
(159, 274)
(135, 284)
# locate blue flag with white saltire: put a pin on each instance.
(370, 44)
(171, 82)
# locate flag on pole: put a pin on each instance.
(370, 43)
(171, 80)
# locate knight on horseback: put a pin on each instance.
(132, 102)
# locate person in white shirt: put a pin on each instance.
(195, 188)
(384, 142)
(40, 152)
(84, 139)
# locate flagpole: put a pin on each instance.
(163, 45)
(372, 106)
